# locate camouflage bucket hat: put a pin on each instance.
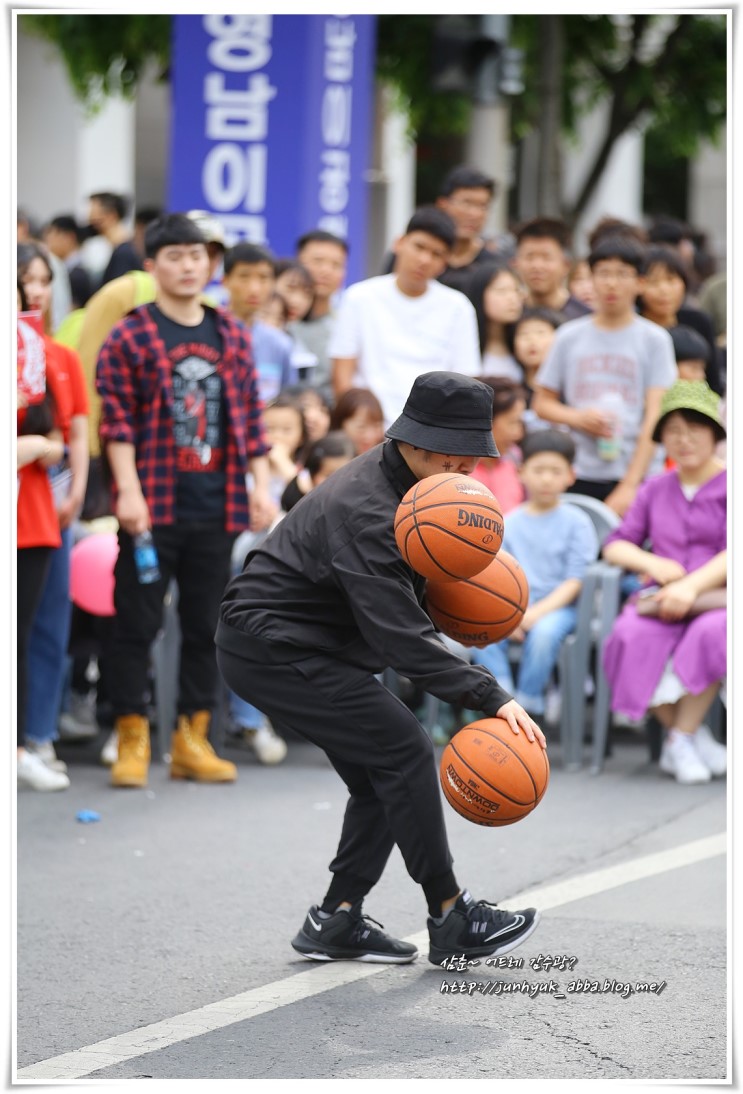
(691, 395)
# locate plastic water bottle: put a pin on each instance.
(145, 558)
(610, 448)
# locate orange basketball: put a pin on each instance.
(482, 609)
(448, 527)
(491, 775)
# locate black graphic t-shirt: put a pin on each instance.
(198, 415)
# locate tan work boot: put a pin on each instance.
(191, 755)
(130, 769)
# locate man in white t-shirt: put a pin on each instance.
(393, 328)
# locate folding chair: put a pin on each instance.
(431, 714)
(598, 607)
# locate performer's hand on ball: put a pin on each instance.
(513, 713)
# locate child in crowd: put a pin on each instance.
(604, 378)
(666, 654)
(663, 289)
(274, 312)
(692, 354)
(554, 542)
(497, 296)
(324, 456)
(500, 474)
(315, 409)
(358, 412)
(249, 279)
(542, 261)
(295, 286)
(580, 282)
(531, 337)
(286, 432)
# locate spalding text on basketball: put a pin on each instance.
(463, 636)
(477, 520)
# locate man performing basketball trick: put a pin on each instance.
(323, 606)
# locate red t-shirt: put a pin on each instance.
(37, 521)
(67, 383)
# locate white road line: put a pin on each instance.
(303, 985)
(552, 896)
(611, 877)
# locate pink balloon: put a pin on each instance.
(92, 573)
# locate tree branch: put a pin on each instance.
(621, 115)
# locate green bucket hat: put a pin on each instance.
(691, 395)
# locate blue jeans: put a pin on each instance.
(47, 651)
(540, 651)
(243, 713)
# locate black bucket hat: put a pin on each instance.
(449, 414)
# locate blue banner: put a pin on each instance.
(272, 126)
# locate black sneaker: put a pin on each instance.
(347, 935)
(478, 929)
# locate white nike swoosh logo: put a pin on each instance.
(315, 925)
(518, 921)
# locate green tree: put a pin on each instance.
(665, 73)
(104, 54)
(405, 49)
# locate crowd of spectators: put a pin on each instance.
(172, 385)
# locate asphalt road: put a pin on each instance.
(155, 942)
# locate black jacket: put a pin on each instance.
(330, 578)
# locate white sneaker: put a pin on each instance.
(679, 757)
(35, 775)
(710, 751)
(267, 745)
(45, 751)
(110, 751)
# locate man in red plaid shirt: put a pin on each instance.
(181, 427)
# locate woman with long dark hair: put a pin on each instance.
(497, 296)
(358, 412)
(66, 476)
(38, 446)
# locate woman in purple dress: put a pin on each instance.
(675, 534)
